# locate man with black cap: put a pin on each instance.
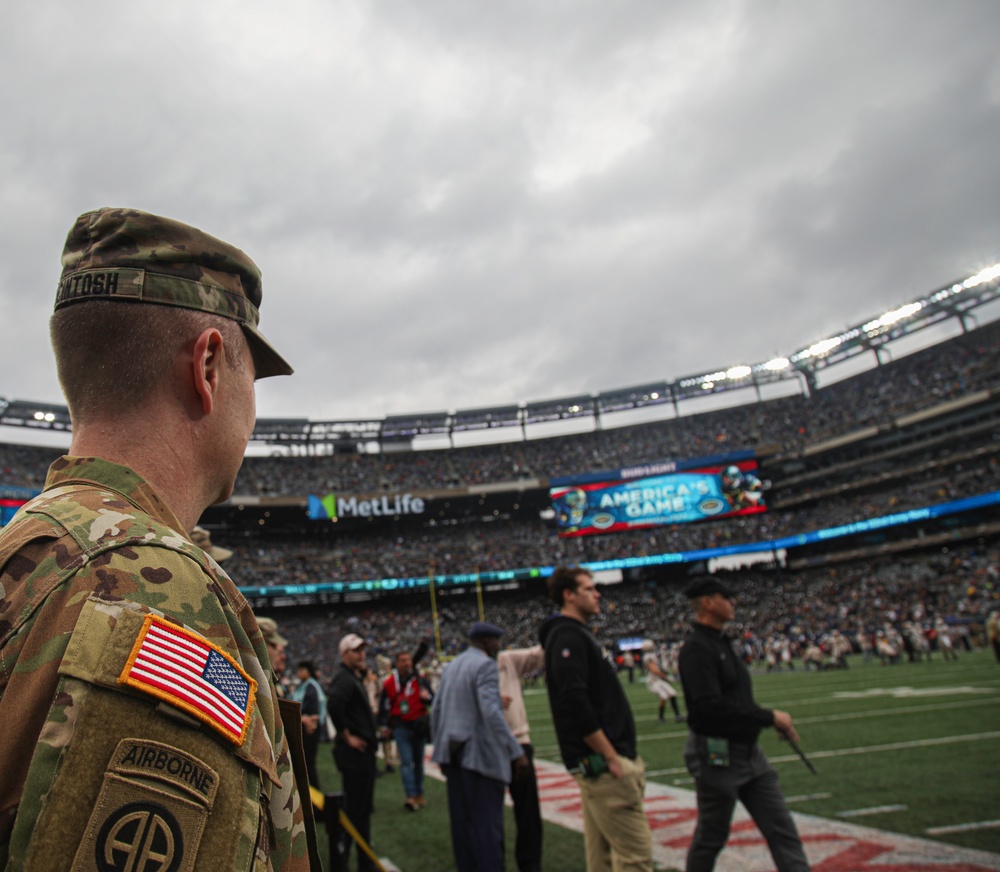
(722, 753)
(356, 741)
(138, 717)
(475, 749)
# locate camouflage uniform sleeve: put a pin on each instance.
(113, 762)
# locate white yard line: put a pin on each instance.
(962, 828)
(791, 702)
(679, 732)
(901, 710)
(865, 749)
(875, 809)
(805, 797)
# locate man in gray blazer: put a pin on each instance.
(475, 749)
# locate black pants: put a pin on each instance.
(359, 801)
(310, 746)
(475, 807)
(752, 780)
(528, 816)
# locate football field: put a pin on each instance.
(911, 749)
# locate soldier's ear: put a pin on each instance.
(206, 365)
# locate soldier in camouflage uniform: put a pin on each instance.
(139, 727)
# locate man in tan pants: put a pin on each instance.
(595, 728)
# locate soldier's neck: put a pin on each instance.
(159, 460)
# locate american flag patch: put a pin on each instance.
(189, 672)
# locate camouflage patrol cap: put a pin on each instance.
(269, 630)
(128, 255)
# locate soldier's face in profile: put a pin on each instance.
(238, 411)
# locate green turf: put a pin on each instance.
(870, 710)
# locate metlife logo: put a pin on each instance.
(385, 506)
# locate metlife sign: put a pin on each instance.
(331, 507)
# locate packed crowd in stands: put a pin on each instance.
(25, 466)
(951, 369)
(879, 608)
(525, 542)
(863, 602)
(968, 363)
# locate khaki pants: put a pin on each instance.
(615, 829)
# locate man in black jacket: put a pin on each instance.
(722, 753)
(595, 728)
(355, 742)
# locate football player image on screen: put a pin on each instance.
(741, 489)
(571, 507)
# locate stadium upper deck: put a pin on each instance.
(957, 303)
(916, 431)
(963, 369)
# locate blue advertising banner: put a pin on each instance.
(12, 498)
(606, 507)
(940, 510)
(8, 508)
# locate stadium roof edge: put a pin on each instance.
(955, 300)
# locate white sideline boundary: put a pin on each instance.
(846, 716)
(831, 846)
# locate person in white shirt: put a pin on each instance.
(656, 681)
(515, 663)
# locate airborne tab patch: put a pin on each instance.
(169, 765)
(184, 669)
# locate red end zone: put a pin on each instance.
(831, 846)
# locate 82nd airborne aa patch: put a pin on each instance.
(151, 812)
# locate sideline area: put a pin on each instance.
(831, 846)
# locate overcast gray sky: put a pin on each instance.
(459, 204)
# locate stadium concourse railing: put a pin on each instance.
(772, 546)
